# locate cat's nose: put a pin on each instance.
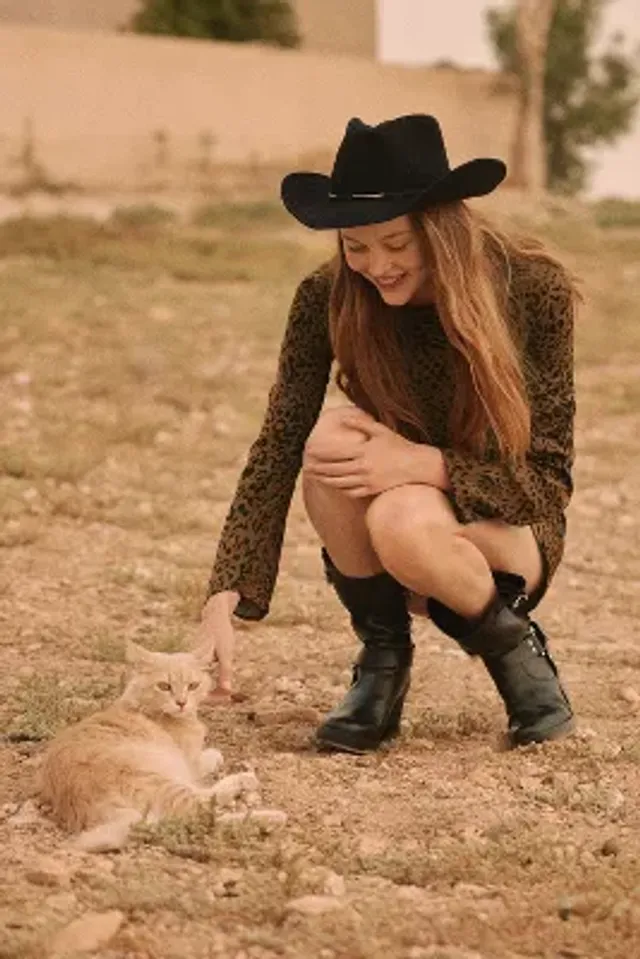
(181, 703)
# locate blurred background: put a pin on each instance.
(146, 272)
(204, 95)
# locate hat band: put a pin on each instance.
(389, 194)
(358, 196)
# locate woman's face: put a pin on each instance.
(389, 255)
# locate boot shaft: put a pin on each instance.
(377, 605)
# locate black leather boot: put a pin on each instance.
(371, 710)
(514, 650)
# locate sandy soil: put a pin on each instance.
(129, 395)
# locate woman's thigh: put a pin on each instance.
(511, 549)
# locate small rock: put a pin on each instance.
(49, 872)
(27, 815)
(372, 845)
(333, 819)
(62, 903)
(318, 880)
(280, 717)
(442, 952)
(610, 847)
(470, 890)
(227, 882)
(286, 685)
(569, 906)
(8, 809)
(92, 931)
(630, 695)
(313, 905)
(268, 819)
(615, 800)
(334, 885)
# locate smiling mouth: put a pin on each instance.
(390, 284)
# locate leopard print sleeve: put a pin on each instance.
(539, 488)
(249, 549)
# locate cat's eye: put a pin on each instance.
(165, 687)
(194, 685)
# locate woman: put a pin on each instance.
(442, 488)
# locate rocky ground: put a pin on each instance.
(133, 374)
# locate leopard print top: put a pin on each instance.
(533, 493)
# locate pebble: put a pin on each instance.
(62, 902)
(227, 882)
(372, 845)
(610, 847)
(27, 815)
(313, 905)
(266, 820)
(88, 933)
(630, 695)
(318, 881)
(46, 871)
(442, 952)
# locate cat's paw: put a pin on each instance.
(211, 761)
(233, 787)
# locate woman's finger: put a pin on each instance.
(333, 468)
(334, 452)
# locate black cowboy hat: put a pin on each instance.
(384, 171)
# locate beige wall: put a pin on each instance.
(341, 26)
(93, 105)
(95, 14)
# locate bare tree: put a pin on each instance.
(528, 157)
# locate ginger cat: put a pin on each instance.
(140, 758)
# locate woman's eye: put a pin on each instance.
(165, 687)
(193, 685)
(398, 249)
(355, 249)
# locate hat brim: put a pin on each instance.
(306, 196)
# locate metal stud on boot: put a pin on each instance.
(515, 652)
(370, 712)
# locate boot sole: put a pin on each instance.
(557, 732)
(327, 743)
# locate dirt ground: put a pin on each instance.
(134, 366)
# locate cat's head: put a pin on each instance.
(171, 684)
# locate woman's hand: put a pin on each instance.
(378, 459)
(216, 633)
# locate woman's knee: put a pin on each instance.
(398, 513)
(335, 433)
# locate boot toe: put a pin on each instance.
(546, 730)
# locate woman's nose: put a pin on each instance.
(379, 263)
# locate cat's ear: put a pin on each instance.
(138, 655)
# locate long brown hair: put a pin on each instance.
(469, 263)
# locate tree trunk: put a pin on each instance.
(528, 157)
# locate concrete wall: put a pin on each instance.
(92, 14)
(339, 26)
(113, 111)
